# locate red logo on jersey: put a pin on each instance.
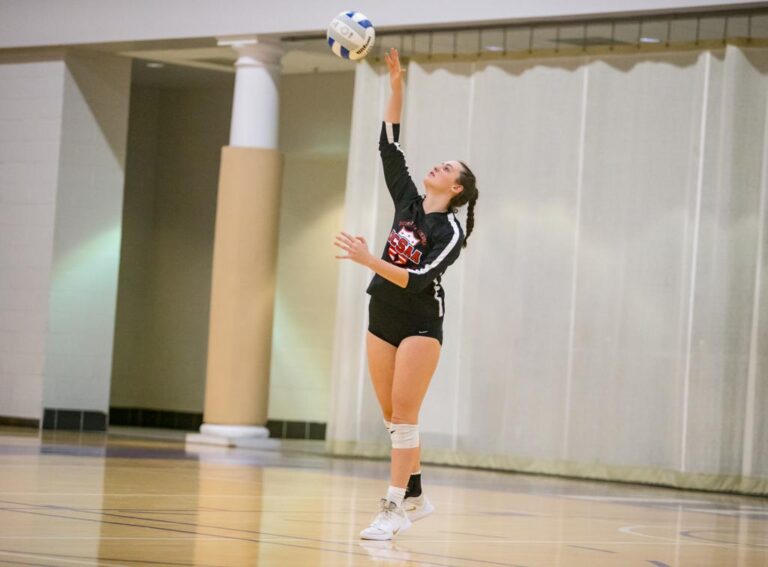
(402, 247)
(410, 225)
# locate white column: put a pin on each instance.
(255, 110)
(245, 253)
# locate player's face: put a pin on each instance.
(443, 176)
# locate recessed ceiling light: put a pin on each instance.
(155, 65)
(493, 48)
(649, 40)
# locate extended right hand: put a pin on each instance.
(396, 72)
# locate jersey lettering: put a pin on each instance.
(402, 247)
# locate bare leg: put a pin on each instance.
(415, 364)
(381, 366)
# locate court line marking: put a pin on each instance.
(741, 510)
(592, 548)
(231, 538)
(626, 529)
(666, 541)
(357, 540)
(734, 513)
(282, 509)
(31, 555)
(187, 494)
(725, 532)
(98, 560)
(197, 495)
(9, 562)
(314, 521)
(180, 538)
(636, 499)
(471, 534)
(630, 530)
(266, 541)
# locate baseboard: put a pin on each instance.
(280, 429)
(189, 421)
(74, 420)
(19, 422)
(164, 419)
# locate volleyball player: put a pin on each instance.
(407, 303)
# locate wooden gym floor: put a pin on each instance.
(95, 499)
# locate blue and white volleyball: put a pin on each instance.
(351, 35)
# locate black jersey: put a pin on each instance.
(424, 244)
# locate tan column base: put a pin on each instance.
(243, 289)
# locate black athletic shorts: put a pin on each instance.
(393, 325)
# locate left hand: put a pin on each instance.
(356, 248)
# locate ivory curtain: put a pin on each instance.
(609, 318)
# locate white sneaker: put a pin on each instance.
(390, 521)
(417, 507)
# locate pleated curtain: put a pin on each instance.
(609, 317)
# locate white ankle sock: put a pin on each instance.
(396, 495)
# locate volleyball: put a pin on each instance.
(351, 35)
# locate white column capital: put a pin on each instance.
(255, 108)
(255, 51)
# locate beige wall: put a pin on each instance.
(129, 368)
(175, 140)
(162, 319)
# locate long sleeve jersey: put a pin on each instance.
(425, 244)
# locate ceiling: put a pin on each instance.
(204, 63)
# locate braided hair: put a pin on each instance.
(468, 196)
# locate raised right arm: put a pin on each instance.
(396, 175)
(396, 72)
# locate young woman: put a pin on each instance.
(408, 303)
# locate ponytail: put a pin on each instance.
(467, 197)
